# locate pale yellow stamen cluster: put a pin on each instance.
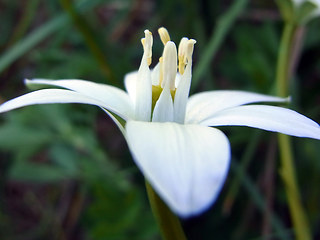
(164, 35)
(185, 53)
(170, 60)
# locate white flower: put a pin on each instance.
(169, 134)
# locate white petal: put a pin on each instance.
(178, 79)
(206, 104)
(48, 96)
(185, 164)
(114, 99)
(269, 118)
(130, 83)
(155, 75)
(169, 65)
(181, 96)
(163, 110)
(143, 92)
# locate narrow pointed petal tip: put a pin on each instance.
(206, 105)
(48, 96)
(270, 118)
(185, 164)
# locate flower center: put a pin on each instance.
(172, 63)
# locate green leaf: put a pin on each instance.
(35, 37)
(65, 157)
(38, 173)
(14, 136)
(222, 28)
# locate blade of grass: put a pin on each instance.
(276, 223)
(267, 179)
(25, 21)
(27, 43)
(244, 163)
(89, 38)
(222, 27)
(38, 35)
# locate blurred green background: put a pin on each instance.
(65, 170)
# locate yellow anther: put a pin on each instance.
(189, 49)
(164, 35)
(160, 71)
(182, 54)
(147, 42)
(182, 46)
(143, 40)
(185, 53)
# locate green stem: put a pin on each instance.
(169, 224)
(287, 170)
(283, 65)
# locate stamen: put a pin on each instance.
(189, 50)
(147, 42)
(164, 35)
(182, 54)
(169, 65)
(160, 71)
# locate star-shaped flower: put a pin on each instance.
(169, 134)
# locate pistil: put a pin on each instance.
(169, 65)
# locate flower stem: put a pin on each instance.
(283, 64)
(287, 170)
(169, 223)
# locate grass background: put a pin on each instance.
(65, 170)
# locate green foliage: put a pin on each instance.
(117, 213)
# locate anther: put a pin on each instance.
(189, 49)
(164, 35)
(182, 54)
(160, 71)
(147, 42)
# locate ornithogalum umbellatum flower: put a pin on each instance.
(172, 137)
